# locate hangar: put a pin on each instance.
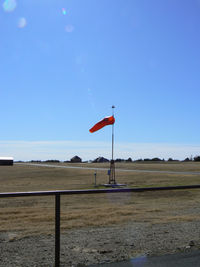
(6, 161)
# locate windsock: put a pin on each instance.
(102, 123)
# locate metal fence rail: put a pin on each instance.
(58, 193)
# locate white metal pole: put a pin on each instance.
(113, 134)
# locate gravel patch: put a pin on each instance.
(84, 247)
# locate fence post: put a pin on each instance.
(57, 230)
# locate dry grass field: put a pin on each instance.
(35, 215)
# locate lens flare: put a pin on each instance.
(139, 261)
(64, 11)
(22, 23)
(9, 5)
(119, 200)
(69, 28)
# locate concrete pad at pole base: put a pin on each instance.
(114, 185)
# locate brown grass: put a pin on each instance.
(35, 215)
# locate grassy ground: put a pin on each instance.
(29, 216)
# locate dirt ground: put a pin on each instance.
(87, 246)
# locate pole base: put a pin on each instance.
(114, 185)
(112, 173)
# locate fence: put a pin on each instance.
(57, 195)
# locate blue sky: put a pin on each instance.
(63, 64)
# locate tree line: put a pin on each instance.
(156, 159)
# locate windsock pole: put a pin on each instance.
(112, 162)
(113, 134)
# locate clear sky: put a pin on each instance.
(64, 63)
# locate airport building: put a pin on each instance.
(6, 161)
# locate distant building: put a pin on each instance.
(76, 159)
(100, 160)
(6, 161)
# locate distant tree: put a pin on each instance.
(197, 158)
(156, 159)
(76, 159)
(186, 159)
(138, 160)
(52, 161)
(118, 160)
(170, 159)
(129, 160)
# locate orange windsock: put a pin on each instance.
(102, 123)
